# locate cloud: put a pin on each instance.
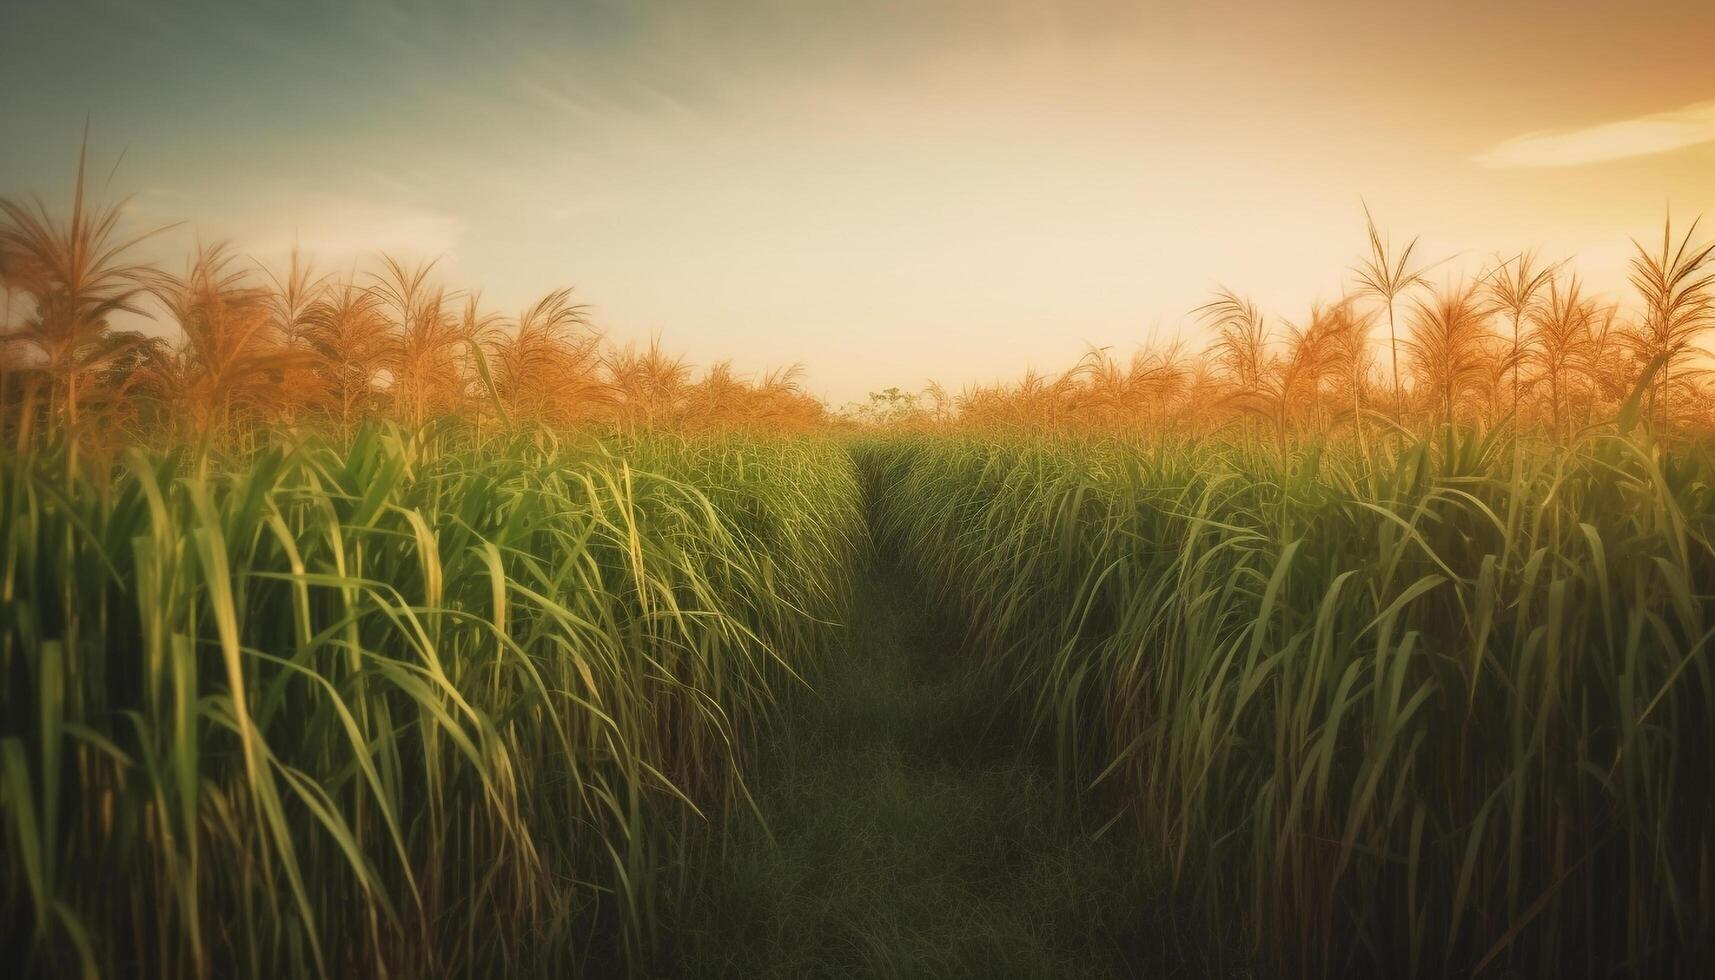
(1660, 132)
(334, 229)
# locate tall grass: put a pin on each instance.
(1416, 714)
(1412, 660)
(416, 706)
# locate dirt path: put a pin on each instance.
(912, 839)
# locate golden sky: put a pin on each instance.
(885, 192)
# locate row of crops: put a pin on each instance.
(407, 706)
(1443, 711)
(431, 704)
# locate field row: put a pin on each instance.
(410, 708)
(1442, 712)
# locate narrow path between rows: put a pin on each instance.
(912, 837)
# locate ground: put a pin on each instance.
(904, 830)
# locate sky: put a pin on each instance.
(887, 193)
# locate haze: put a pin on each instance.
(887, 193)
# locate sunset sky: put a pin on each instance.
(886, 192)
